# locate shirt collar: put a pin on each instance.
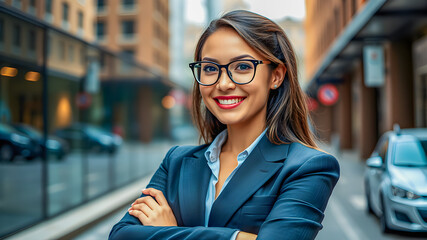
(212, 153)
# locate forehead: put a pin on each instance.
(226, 43)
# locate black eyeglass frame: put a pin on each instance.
(255, 62)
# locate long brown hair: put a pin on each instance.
(287, 112)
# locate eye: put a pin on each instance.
(243, 67)
(209, 69)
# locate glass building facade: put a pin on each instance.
(72, 119)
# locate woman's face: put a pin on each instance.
(234, 104)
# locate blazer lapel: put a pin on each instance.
(260, 166)
(193, 185)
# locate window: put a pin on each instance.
(128, 29)
(100, 30)
(80, 19)
(129, 53)
(48, 6)
(65, 12)
(32, 7)
(32, 41)
(409, 154)
(17, 3)
(70, 53)
(128, 4)
(382, 151)
(1, 30)
(62, 50)
(17, 36)
(101, 5)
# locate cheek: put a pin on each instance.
(204, 91)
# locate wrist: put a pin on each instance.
(246, 236)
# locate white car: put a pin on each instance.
(396, 180)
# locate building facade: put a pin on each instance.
(122, 25)
(74, 116)
(371, 51)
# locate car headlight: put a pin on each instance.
(20, 139)
(399, 192)
(106, 140)
(52, 144)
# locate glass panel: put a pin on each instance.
(65, 154)
(20, 109)
(409, 154)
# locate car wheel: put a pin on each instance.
(6, 152)
(384, 218)
(368, 199)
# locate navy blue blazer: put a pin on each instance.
(279, 192)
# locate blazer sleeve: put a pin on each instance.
(130, 227)
(298, 211)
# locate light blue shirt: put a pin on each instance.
(212, 157)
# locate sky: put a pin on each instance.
(274, 9)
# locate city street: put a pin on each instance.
(345, 216)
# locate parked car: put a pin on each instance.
(14, 143)
(54, 145)
(396, 180)
(90, 137)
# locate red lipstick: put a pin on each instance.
(229, 102)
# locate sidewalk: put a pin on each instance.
(76, 221)
(96, 212)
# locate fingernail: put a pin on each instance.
(143, 189)
(129, 209)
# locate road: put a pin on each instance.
(345, 216)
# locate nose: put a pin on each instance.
(224, 81)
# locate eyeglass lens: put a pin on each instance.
(240, 72)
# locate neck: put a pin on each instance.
(242, 136)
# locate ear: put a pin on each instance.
(277, 76)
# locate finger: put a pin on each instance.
(142, 207)
(157, 194)
(149, 200)
(140, 215)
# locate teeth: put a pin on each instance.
(230, 101)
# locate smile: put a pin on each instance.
(228, 102)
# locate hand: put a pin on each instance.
(246, 236)
(152, 212)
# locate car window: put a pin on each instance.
(410, 154)
(382, 151)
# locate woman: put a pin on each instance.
(260, 175)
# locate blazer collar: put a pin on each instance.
(264, 161)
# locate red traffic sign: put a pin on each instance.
(83, 100)
(328, 94)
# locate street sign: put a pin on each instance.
(373, 65)
(83, 100)
(328, 94)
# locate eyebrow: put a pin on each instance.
(232, 59)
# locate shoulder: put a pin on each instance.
(304, 158)
(177, 153)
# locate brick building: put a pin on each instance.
(372, 51)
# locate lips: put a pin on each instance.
(228, 102)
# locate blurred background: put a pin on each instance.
(94, 92)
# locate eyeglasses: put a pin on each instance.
(240, 72)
